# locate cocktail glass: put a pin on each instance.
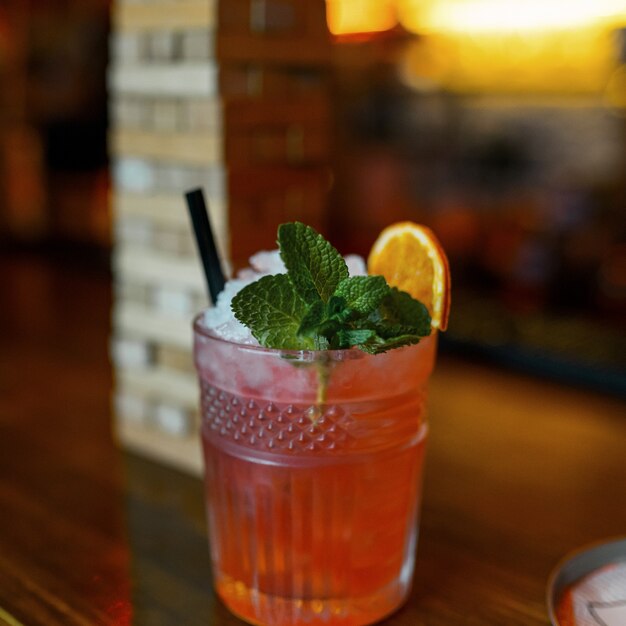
(313, 477)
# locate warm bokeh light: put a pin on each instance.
(557, 63)
(498, 16)
(472, 16)
(347, 17)
(499, 46)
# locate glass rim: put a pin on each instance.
(300, 355)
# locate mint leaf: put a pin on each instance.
(388, 330)
(325, 319)
(405, 314)
(312, 319)
(338, 309)
(314, 266)
(398, 321)
(355, 337)
(273, 311)
(363, 293)
(324, 322)
(380, 345)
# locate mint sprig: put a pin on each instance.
(313, 265)
(316, 305)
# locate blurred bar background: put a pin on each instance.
(53, 121)
(502, 125)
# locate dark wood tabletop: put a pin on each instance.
(519, 472)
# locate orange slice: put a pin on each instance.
(411, 258)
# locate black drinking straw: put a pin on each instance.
(206, 243)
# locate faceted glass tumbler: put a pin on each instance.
(313, 476)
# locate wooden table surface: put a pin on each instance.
(519, 472)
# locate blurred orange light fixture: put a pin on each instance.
(347, 17)
(501, 16)
(498, 46)
(547, 47)
(467, 16)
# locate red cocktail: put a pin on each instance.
(313, 476)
